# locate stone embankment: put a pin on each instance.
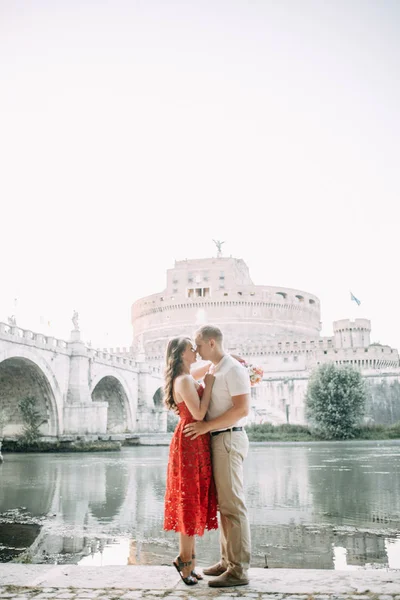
(87, 443)
(72, 582)
(74, 443)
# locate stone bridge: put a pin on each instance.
(79, 390)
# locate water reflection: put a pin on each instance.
(311, 506)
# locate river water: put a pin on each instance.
(312, 505)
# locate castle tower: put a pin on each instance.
(352, 334)
(220, 290)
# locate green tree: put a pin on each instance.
(32, 419)
(335, 401)
(383, 400)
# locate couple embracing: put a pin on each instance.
(209, 445)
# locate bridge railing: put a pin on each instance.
(112, 356)
(124, 355)
(37, 338)
(115, 359)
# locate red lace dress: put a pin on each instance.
(190, 497)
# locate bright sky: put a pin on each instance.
(133, 132)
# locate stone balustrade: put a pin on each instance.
(26, 335)
(113, 356)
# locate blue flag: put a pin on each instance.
(352, 297)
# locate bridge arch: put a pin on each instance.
(158, 397)
(25, 373)
(110, 387)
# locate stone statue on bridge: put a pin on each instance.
(12, 320)
(75, 320)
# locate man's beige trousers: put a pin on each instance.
(229, 450)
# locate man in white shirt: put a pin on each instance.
(225, 420)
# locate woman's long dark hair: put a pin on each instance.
(174, 364)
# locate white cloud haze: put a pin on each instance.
(132, 133)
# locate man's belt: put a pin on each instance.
(225, 430)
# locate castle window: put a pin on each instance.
(222, 275)
(225, 293)
(285, 360)
(175, 291)
(311, 301)
(300, 298)
(175, 281)
(284, 296)
(295, 358)
(240, 293)
(198, 292)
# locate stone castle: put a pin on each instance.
(277, 328)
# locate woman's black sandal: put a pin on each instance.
(199, 577)
(190, 579)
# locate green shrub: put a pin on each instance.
(335, 401)
(32, 419)
(265, 432)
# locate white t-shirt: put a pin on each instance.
(231, 379)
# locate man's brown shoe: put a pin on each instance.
(215, 570)
(227, 580)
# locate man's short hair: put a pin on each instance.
(210, 332)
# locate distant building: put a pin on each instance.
(220, 290)
(277, 328)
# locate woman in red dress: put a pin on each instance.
(190, 497)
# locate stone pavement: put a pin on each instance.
(72, 582)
